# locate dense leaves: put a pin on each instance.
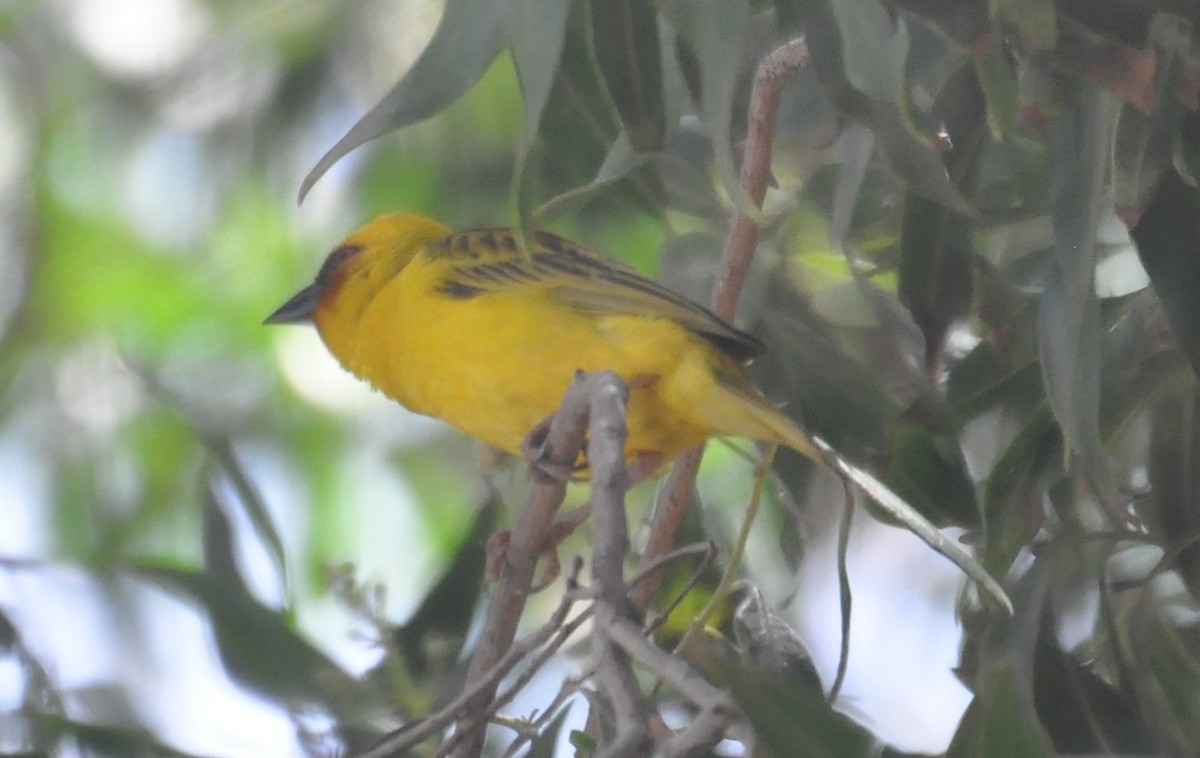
(977, 274)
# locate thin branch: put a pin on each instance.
(558, 443)
(669, 508)
(614, 671)
(774, 72)
(735, 556)
(570, 686)
(671, 669)
(398, 742)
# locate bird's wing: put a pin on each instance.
(487, 260)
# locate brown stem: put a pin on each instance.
(398, 743)
(614, 670)
(560, 449)
(774, 72)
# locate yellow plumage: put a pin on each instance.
(461, 327)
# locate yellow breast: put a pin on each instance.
(497, 364)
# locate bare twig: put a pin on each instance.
(671, 669)
(774, 72)
(669, 507)
(614, 671)
(564, 438)
(570, 686)
(398, 742)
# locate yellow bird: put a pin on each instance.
(460, 326)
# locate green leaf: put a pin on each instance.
(792, 720)
(253, 505)
(1166, 673)
(983, 381)
(1168, 243)
(717, 33)
(1012, 500)
(998, 81)
(625, 40)
(1002, 721)
(445, 612)
(875, 47)
(1069, 321)
(620, 162)
(535, 30)
(1033, 22)
(1147, 141)
(935, 269)
(102, 740)
(545, 745)
(860, 54)
(1173, 470)
(467, 40)
(262, 652)
(926, 468)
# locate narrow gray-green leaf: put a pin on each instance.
(717, 32)
(620, 161)
(626, 42)
(254, 507)
(1013, 494)
(468, 39)
(535, 30)
(896, 507)
(855, 148)
(998, 81)
(1168, 243)
(875, 45)
(935, 269)
(1069, 320)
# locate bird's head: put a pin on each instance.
(358, 268)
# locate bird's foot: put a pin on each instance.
(533, 448)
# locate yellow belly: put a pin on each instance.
(497, 364)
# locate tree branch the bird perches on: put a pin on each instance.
(595, 400)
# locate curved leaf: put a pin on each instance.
(935, 270)
(719, 30)
(536, 30)
(1168, 244)
(1069, 321)
(467, 40)
(625, 40)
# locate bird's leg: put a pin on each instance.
(643, 466)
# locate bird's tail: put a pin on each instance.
(732, 405)
(769, 424)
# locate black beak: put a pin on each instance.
(299, 309)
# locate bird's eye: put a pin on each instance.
(334, 262)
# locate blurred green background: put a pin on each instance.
(215, 542)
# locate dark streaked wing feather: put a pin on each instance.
(488, 260)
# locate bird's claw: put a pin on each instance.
(533, 448)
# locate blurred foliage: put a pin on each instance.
(978, 275)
